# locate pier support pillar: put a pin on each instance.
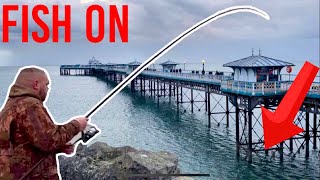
(154, 88)
(315, 129)
(208, 107)
(158, 93)
(162, 86)
(266, 105)
(192, 99)
(132, 85)
(144, 85)
(164, 89)
(177, 98)
(237, 127)
(227, 110)
(250, 130)
(291, 145)
(206, 100)
(281, 151)
(150, 87)
(170, 89)
(141, 85)
(307, 135)
(181, 92)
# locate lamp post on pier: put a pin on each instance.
(184, 65)
(203, 61)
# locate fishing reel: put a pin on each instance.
(88, 133)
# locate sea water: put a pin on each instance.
(137, 121)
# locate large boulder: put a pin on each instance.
(100, 161)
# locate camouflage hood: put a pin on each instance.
(19, 91)
(16, 93)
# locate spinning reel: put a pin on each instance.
(87, 135)
(89, 132)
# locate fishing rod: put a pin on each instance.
(91, 130)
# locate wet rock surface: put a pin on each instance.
(100, 161)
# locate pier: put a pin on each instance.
(228, 99)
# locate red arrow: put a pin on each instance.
(278, 126)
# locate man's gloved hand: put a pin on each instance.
(83, 121)
(87, 131)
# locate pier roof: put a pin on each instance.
(134, 63)
(258, 61)
(94, 61)
(169, 62)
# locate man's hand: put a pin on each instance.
(69, 148)
(83, 121)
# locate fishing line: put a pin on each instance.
(170, 45)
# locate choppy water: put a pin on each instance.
(136, 121)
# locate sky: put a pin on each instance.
(291, 34)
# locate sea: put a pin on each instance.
(130, 119)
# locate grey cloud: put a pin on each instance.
(154, 23)
(287, 19)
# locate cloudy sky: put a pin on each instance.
(292, 34)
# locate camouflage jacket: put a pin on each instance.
(27, 134)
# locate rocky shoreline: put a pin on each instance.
(100, 161)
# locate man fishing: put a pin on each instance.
(28, 133)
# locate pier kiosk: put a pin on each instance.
(168, 66)
(256, 75)
(133, 65)
(94, 62)
(257, 69)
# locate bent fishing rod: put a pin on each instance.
(92, 131)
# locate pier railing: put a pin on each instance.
(209, 78)
(123, 70)
(264, 88)
(79, 66)
(226, 81)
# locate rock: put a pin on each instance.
(100, 161)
